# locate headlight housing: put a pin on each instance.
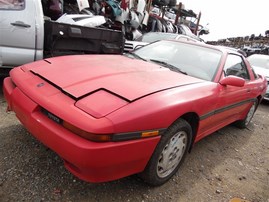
(100, 103)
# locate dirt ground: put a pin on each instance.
(229, 163)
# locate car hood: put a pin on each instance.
(262, 71)
(126, 77)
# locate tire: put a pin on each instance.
(245, 122)
(169, 154)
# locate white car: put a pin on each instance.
(151, 37)
(260, 64)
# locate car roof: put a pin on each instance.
(232, 50)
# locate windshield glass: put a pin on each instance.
(259, 61)
(156, 36)
(196, 61)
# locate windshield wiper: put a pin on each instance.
(171, 67)
(136, 56)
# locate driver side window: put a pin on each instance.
(12, 4)
(235, 66)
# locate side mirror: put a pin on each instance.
(232, 81)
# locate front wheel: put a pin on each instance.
(169, 154)
(244, 123)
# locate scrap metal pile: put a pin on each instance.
(249, 44)
(132, 17)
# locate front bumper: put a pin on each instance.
(90, 161)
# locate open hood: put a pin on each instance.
(126, 77)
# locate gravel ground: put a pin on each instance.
(227, 164)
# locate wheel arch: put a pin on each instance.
(259, 99)
(193, 119)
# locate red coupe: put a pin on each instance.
(111, 116)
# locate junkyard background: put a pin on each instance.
(227, 164)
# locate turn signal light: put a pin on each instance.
(150, 133)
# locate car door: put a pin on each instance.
(17, 36)
(232, 100)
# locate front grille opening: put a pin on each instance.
(52, 116)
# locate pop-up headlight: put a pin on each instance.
(100, 103)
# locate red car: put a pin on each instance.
(111, 116)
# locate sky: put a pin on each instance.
(231, 18)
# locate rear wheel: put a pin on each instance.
(245, 122)
(169, 154)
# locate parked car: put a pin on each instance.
(260, 64)
(111, 116)
(151, 37)
(27, 37)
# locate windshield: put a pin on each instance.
(193, 60)
(156, 36)
(259, 61)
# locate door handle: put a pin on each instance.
(248, 90)
(20, 24)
